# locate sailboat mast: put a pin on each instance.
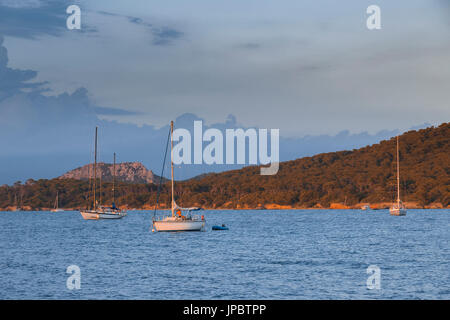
(114, 180)
(57, 200)
(398, 177)
(95, 169)
(171, 163)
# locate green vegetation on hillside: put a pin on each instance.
(351, 177)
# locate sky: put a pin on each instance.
(310, 68)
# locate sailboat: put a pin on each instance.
(177, 221)
(56, 207)
(97, 212)
(398, 208)
(16, 204)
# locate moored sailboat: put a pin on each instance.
(97, 212)
(56, 206)
(398, 208)
(177, 221)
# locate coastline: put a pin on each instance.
(333, 206)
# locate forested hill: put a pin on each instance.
(349, 178)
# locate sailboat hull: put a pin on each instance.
(98, 215)
(173, 226)
(397, 212)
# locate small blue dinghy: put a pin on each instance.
(222, 227)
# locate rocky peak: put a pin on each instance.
(133, 172)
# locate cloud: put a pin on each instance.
(165, 35)
(13, 81)
(21, 3)
(162, 35)
(23, 106)
(275, 67)
(344, 77)
(114, 112)
(139, 21)
(31, 19)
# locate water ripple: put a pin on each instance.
(294, 254)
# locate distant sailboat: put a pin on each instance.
(178, 221)
(16, 204)
(56, 206)
(398, 208)
(97, 212)
(19, 202)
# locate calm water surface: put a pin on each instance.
(293, 254)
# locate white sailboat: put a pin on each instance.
(56, 206)
(97, 212)
(178, 221)
(398, 208)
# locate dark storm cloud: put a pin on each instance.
(22, 100)
(13, 81)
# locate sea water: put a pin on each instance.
(265, 254)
